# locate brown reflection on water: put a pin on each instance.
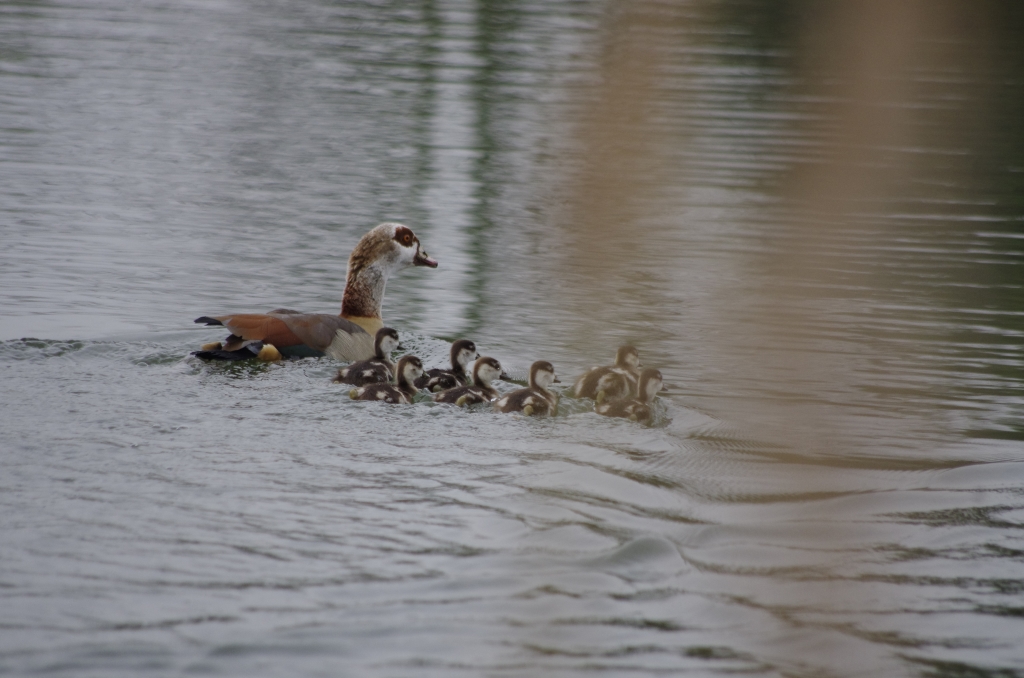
(620, 166)
(855, 70)
(790, 273)
(887, 147)
(802, 290)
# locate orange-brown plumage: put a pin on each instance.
(260, 327)
(349, 336)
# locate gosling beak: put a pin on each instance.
(423, 259)
(400, 348)
(557, 380)
(505, 376)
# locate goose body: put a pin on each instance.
(639, 408)
(349, 336)
(536, 399)
(378, 369)
(600, 383)
(463, 353)
(485, 370)
(399, 393)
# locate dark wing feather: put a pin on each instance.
(472, 395)
(516, 401)
(586, 384)
(364, 372)
(385, 393)
(438, 379)
(249, 350)
(625, 409)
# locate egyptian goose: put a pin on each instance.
(439, 379)
(399, 393)
(485, 370)
(536, 399)
(637, 409)
(590, 385)
(377, 370)
(382, 251)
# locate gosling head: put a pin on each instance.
(385, 341)
(463, 353)
(486, 370)
(408, 370)
(650, 383)
(627, 358)
(542, 374)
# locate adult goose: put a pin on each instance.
(349, 336)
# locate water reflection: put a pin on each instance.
(838, 192)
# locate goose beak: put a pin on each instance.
(423, 259)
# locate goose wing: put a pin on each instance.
(323, 332)
(345, 341)
(256, 327)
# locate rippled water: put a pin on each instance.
(810, 220)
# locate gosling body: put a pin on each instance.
(536, 399)
(377, 370)
(485, 370)
(402, 392)
(436, 379)
(639, 408)
(600, 384)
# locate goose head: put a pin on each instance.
(542, 374)
(486, 370)
(628, 358)
(650, 383)
(388, 246)
(385, 342)
(463, 353)
(382, 251)
(408, 371)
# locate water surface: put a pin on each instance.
(810, 220)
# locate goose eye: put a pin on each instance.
(407, 239)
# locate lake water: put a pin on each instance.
(810, 219)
